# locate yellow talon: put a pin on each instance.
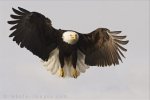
(74, 73)
(61, 72)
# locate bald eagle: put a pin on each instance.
(65, 52)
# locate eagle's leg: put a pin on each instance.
(61, 72)
(61, 59)
(74, 63)
(74, 73)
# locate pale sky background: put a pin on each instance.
(23, 76)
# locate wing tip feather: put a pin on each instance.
(23, 10)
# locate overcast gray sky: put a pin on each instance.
(22, 74)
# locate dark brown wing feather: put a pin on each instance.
(33, 31)
(102, 47)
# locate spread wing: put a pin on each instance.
(33, 31)
(102, 47)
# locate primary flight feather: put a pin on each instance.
(65, 52)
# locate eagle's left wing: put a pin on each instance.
(102, 47)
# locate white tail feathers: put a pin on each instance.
(53, 64)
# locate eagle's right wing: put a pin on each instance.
(33, 31)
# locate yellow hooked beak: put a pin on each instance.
(74, 37)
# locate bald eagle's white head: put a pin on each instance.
(70, 37)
